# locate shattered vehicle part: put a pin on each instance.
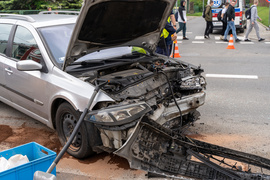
(149, 86)
(159, 150)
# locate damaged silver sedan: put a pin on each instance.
(50, 66)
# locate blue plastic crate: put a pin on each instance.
(40, 159)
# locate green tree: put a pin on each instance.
(39, 4)
(70, 4)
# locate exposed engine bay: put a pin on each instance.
(155, 100)
(168, 91)
(134, 80)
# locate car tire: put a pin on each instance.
(66, 119)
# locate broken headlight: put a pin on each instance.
(118, 115)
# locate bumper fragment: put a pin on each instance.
(159, 150)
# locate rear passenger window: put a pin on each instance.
(24, 45)
(4, 34)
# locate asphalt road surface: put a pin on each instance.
(236, 113)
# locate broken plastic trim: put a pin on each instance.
(159, 150)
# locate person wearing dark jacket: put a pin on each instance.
(182, 19)
(230, 22)
(164, 46)
(208, 19)
(224, 20)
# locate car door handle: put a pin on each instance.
(9, 71)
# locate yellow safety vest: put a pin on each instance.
(165, 33)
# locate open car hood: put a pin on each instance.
(109, 23)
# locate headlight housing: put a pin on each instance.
(118, 115)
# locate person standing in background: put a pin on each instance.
(230, 22)
(182, 19)
(208, 19)
(253, 22)
(224, 20)
(167, 37)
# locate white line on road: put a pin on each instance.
(199, 37)
(241, 37)
(181, 34)
(232, 76)
(221, 42)
(267, 42)
(246, 42)
(198, 42)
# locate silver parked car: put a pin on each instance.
(51, 63)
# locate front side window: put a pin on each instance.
(24, 45)
(4, 34)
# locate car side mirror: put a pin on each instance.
(28, 65)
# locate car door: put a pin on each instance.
(5, 30)
(27, 89)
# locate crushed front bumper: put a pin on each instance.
(159, 150)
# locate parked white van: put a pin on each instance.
(240, 19)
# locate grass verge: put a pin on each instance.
(263, 13)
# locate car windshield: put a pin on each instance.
(57, 39)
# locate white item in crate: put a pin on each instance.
(17, 160)
(4, 164)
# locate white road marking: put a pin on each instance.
(221, 42)
(267, 42)
(198, 42)
(181, 34)
(217, 37)
(199, 37)
(232, 76)
(241, 37)
(246, 42)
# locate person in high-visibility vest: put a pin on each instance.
(165, 44)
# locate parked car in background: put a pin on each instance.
(51, 63)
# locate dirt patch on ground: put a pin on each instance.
(6, 132)
(101, 166)
(22, 135)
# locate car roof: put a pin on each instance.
(42, 20)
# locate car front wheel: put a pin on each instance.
(66, 119)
